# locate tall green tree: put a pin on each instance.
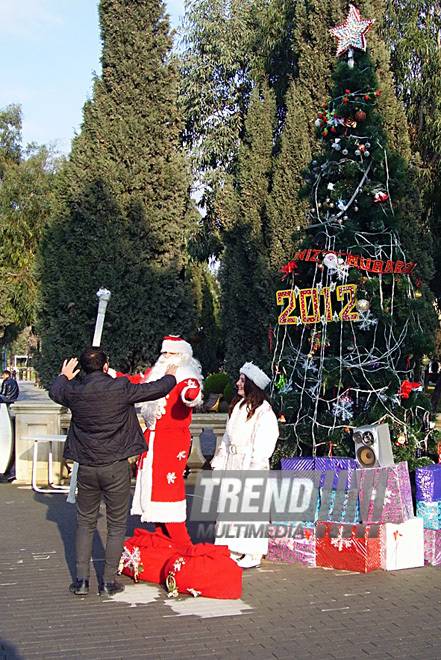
(357, 315)
(244, 275)
(123, 212)
(412, 31)
(26, 192)
(285, 209)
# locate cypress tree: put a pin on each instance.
(123, 213)
(285, 209)
(244, 271)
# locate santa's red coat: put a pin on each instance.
(160, 488)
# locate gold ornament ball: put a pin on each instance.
(401, 439)
(418, 293)
(363, 305)
(425, 360)
(310, 356)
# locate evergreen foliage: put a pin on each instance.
(412, 31)
(122, 214)
(285, 210)
(244, 276)
(357, 315)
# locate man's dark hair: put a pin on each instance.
(93, 359)
(7, 373)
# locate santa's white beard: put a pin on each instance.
(153, 410)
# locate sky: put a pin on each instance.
(49, 52)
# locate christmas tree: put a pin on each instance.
(356, 319)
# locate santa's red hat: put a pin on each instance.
(172, 344)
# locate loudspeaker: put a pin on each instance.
(373, 447)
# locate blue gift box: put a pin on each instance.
(431, 514)
(428, 483)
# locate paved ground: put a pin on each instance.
(286, 611)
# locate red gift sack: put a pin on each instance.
(204, 570)
(145, 555)
(348, 547)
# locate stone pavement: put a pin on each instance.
(286, 611)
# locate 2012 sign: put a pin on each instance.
(310, 304)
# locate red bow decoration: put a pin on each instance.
(290, 267)
(407, 387)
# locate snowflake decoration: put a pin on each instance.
(352, 33)
(171, 478)
(132, 561)
(181, 455)
(366, 321)
(343, 408)
(341, 543)
(309, 366)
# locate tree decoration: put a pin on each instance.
(360, 115)
(352, 33)
(359, 297)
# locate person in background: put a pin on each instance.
(248, 444)
(104, 432)
(160, 488)
(10, 390)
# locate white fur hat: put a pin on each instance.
(174, 344)
(255, 374)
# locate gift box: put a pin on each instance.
(336, 465)
(292, 543)
(340, 506)
(432, 546)
(385, 494)
(204, 570)
(348, 547)
(428, 483)
(402, 545)
(430, 512)
(298, 463)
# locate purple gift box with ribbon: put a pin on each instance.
(335, 465)
(385, 494)
(432, 546)
(428, 483)
(296, 546)
(298, 463)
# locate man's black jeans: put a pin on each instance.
(112, 483)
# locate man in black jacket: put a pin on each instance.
(104, 432)
(10, 390)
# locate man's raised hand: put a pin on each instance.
(69, 368)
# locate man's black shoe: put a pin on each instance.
(111, 588)
(79, 587)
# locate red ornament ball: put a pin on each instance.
(360, 115)
(367, 97)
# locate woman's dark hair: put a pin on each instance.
(93, 359)
(254, 397)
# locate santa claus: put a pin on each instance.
(160, 489)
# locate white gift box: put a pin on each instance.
(402, 545)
